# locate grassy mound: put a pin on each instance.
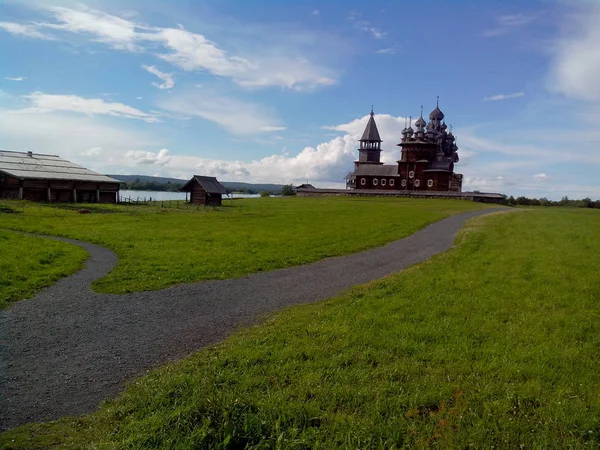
(492, 344)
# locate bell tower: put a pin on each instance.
(369, 151)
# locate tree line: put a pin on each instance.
(565, 201)
(139, 185)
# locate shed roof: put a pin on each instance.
(209, 184)
(29, 165)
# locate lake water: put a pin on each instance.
(158, 195)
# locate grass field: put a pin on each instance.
(28, 264)
(159, 247)
(493, 344)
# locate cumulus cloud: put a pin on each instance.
(44, 103)
(185, 49)
(504, 96)
(576, 59)
(160, 158)
(167, 78)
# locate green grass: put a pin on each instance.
(493, 344)
(28, 264)
(159, 247)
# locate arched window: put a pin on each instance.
(417, 183)
(403, 183)
(429, 183)
(391, 182)
(363, 181)
(383, 181)
(411, 174)
(375, 181)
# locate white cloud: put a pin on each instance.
(24, 30)
(15, 78)
(167, 78)
(160, 158)
(509, 22)
(504, 96)
(269, 66)
(576, 58)
(87, 140)
(540, 176)
(364, 25)
(44, 103)
(115, 31)
(388, 51)
(236, 116)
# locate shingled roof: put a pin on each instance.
(381, 170)
(209, 184)
(371, 134)
(29, 165)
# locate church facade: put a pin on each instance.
(428, 155)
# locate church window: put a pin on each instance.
(383, 181)
(411, 174)
(403, 183)
(392, 182)
(363, 181)
(417, 183)
(429, 183)
(375, 181)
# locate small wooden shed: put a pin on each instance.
(206, 191)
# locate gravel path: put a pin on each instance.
(68, 348)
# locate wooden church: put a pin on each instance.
(427, 159)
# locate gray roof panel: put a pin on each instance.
(382, 170)
(47, 167)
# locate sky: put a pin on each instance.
(280, 92)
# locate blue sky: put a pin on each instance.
(271, 91)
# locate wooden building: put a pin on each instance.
(426, 163)
(50, 178)
(206, 191)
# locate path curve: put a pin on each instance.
(68, 348)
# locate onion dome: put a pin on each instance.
(436, 114)
(444, 126)
(420, 123)
(409, 131)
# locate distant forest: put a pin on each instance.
(565, 201)
(148, 183)
(139, 185)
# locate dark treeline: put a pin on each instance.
(565, 201)
(147, 185)
(139, 185)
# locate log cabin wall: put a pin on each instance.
(198, 195)
(41, 190)
(213, 200)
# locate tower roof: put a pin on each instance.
(371, 134)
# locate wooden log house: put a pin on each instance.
(205, 191)
(50, 178)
